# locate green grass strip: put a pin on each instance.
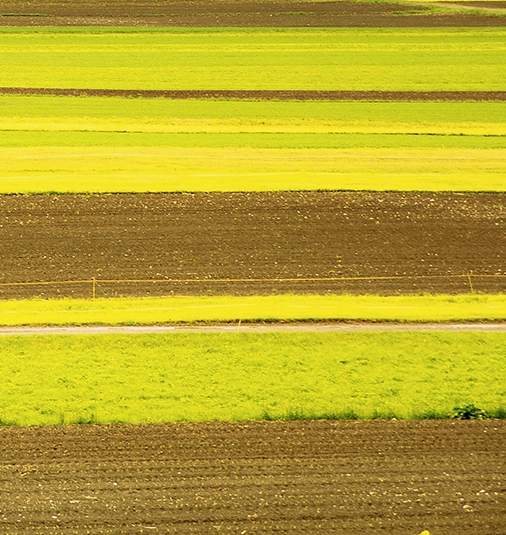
(69, 144)
(195, 377)
(158, 310)
(418, 59)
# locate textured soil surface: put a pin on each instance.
(205, 13)
(357, 478)
(432, 239)
(408, 96)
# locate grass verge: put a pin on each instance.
(159, 310)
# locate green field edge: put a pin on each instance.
(245, 191)
(118, 29)
(291, 416)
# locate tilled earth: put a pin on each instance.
(383, 96)
(358, 478)
(208, 13)
(244, 243)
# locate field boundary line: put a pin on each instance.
(95, 282)
(260, 94)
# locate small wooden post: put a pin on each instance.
(94, 288)
(470, 282)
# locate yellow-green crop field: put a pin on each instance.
(163, 310)
(406, 59)
(83, 144)
(177, 377)
(114, 144)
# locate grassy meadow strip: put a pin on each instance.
(195, 377)
(423, 59)
(158, 169)
(160, 310)
(68, 144)
(157, 115)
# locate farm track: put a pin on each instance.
(205, 13)
(401, 96)
(307, 327)
(215, 243)
(358, 478)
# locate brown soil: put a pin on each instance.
(208, 13)
(198, 238)
(357, 478)
(408, 96)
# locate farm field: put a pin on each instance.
(252, 243)
(122, 144)
(299, 477)
(398, 59)
(276, 308)
(290, 146)
(267, 13)
(248, 376)
(107, 142)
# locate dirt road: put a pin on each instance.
(258, 328)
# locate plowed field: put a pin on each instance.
(201, 237)
(357, 478)
(203, 13)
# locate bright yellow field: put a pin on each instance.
(271, 308)
(109, 169)
(177, 125)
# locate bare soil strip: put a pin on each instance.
(219, 13)
(249, 241)
(358, 478)
(457, 96)
(315, 327)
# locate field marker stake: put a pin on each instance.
(94, 288)
(470, 282)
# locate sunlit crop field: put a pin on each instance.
(162, 310)
(152, 378)
(354, 59)
(118, 144)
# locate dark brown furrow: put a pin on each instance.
(263, 94)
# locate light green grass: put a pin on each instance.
(343, 58)
(155, 310)
(159, 378)
(113, 114)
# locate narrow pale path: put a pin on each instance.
(463, 7)
(257, 328)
